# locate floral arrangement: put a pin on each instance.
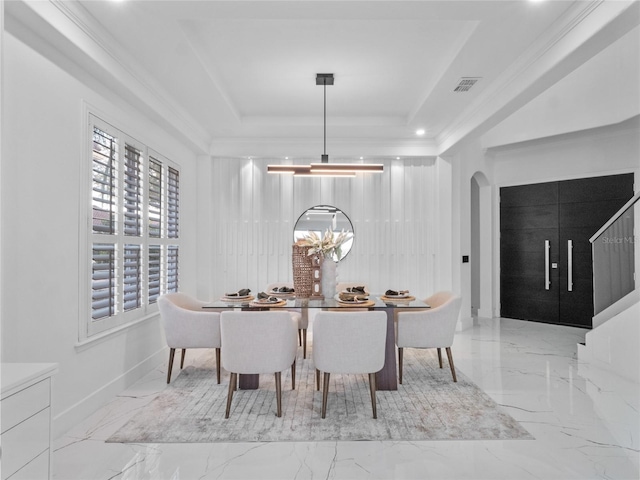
(328, 246)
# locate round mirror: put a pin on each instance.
(321, 218)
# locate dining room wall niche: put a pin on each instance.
(250, 219)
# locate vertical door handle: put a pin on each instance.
(547, 280)
(570, 265)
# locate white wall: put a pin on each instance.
(42, 151)
(469, 161)
(247, 218)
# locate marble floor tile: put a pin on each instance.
(586, 425)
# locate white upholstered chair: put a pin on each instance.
(301, 317)
(349, 343)
(258, 342)
(187, 325)
(430, 328)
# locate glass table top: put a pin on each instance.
(374, 301)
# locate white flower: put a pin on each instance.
(328, 246)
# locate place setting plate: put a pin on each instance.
(397, 296)
(354, 300)
(237, 297)
(282, 294)
(266, 302)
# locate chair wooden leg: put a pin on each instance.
(372, 388)
(218, 365)
(232, 382)
(184, 350)
(299, 337)
(453, 369)
(400, 364)
(172, 353)
(279, 393)
(440, 357)
(304, 343)
(317, 379)
(293, 375)
(325, 393)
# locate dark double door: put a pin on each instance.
(545, 255)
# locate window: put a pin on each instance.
(134, 235)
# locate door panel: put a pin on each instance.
(555, 211)
(522, 251)
(527, 195)
(536, 216)
(596, 189)
(588, 214)
(522, 255)
(528, 300)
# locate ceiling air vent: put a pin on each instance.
(465, 84)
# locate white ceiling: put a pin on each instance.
(239, 76)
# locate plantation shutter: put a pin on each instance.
(132, 191)
(132, 277)
(155, 262)
(104, 182)
(132, 254)
(155, 198)
(173, 203)
(103, 281)
(172, 268)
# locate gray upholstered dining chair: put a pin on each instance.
(187, 325)
(301, 317)
(430, 328)
(349, 343)
(258, 342)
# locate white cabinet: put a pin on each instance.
(26, 420)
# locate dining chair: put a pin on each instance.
(187, 325)
(301, 317)
(349, 343)
(430, 328)
(258, 342)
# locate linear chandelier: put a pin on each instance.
(324, 168)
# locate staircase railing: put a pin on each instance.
(616, 258)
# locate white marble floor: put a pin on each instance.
(585, 422)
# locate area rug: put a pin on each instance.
(428, 406)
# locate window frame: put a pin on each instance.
(90, 328)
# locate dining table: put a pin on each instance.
(386, 379)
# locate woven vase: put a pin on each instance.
(302, 271)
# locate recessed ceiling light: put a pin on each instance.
(397, 158)
(361, 158)
(286, 158)
(420, 131)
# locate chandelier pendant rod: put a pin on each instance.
(324, 157)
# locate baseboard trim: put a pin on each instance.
(75, 414)
(464, 323)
